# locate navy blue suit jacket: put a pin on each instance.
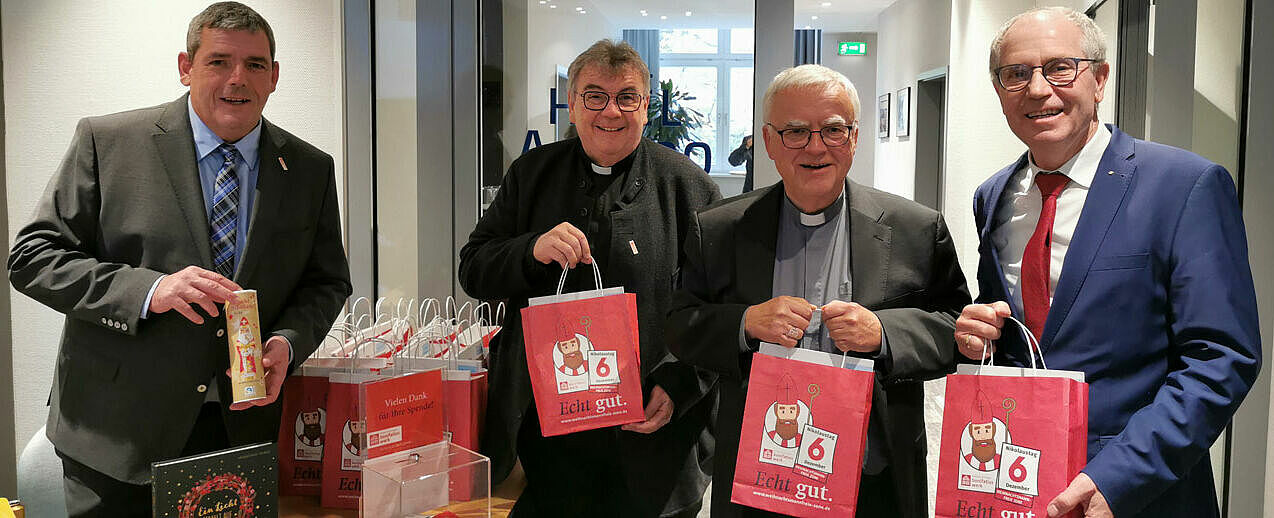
(1155, 304)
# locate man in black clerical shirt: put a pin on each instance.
(622, 202)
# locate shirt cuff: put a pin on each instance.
(289, 342)
(150, 294)
(743, 337)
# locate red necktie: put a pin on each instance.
(1036, 270)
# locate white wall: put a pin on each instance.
(913, 38)
(861, 70)
(553, 38)
(67, 59)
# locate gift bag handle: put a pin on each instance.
(597, 278)
(1032, 347)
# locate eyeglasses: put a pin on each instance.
(1057, 71)
(597, 100)
(797, 138)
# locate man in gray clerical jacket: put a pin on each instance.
(882, 270)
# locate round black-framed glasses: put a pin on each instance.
(1057, 71)
(596, 100)
(835, 135)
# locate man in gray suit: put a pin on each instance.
(153, 218)
(880, 271)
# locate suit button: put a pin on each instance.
(201, 389)
(583, 212)
(116, 324)
(104, 321)
(221, 333)
(123, 327)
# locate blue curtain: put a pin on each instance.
(646, 41)
(809, 47)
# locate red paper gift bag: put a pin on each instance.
(582, 356)
(1012, 439)
(804, 433)
(344, 443)
(465, 405)
(301, 434)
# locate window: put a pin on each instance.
(714, 68)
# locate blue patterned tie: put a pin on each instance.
(225, 219)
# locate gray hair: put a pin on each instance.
(230, 16)
(613, 56)
(1094, 40)
(810, 76)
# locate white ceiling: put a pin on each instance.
(839, 16)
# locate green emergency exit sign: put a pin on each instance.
(852, 48)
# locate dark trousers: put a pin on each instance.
(90, 493)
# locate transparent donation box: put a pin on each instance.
(441, 480)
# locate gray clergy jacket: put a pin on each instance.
(904, 269)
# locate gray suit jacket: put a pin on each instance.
(904, 269)
(125, 207)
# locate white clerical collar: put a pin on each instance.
(1082, 167)
(600, 169)
(820, 217)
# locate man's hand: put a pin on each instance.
(564, 244)
(192, 285)
(275, 361)
(977, 326)
(780, 320)
(658, 412)
(852, 327)
(1082, 494)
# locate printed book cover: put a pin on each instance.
(239, 482)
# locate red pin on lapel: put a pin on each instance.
(283, 164)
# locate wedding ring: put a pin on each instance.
(793, 333)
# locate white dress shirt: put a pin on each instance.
(1019, 211)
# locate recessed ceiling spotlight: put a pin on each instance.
(663, 17)
(827, 4)
(577, 8)
(815, 17)
(688, 13)
(551, 6)
(542, 2)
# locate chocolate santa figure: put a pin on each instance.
(985, 453)
(568, 343)
(247, 350)
(787, 409)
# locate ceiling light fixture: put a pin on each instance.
(687, 13)
(827, 4)
(663, 17)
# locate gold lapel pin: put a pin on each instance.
(283, 164)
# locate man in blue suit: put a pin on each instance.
(1128, 260)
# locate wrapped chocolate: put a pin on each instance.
(243, 333)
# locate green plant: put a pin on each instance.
(689, 119)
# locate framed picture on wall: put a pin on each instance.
(882, 116)
(903, 125)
